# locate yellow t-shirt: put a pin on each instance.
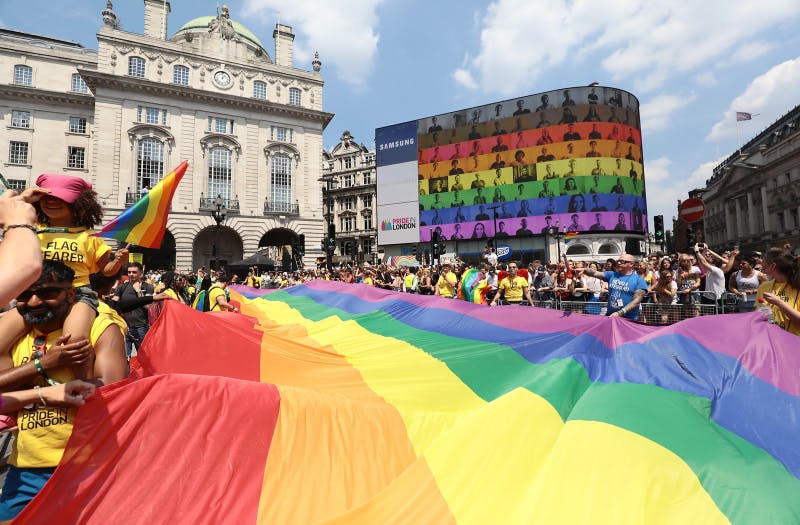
(447, 284)
(790, 295)
(368, 280)
(513, 289)
(171, 293)
(75, 247)
(214, 292)
(44, 431)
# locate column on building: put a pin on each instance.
(728, 221)
(764, 209)
(739, 216)
(752, 224)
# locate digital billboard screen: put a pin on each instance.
(570, 158)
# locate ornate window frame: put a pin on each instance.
(284, 148)
(143, 131)
(212, 140)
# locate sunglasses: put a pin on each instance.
(47, 293)
(623, 261)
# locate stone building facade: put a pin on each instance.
(124, 115)
(753, 197)
(349, 194)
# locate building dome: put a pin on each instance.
(202, 22)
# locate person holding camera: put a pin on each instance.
(715, 276)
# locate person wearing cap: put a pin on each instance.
(626, 288)
(218, 297)
(543, 285)
(67, 211)
(446, 285)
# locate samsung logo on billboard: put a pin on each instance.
(401, 223)
(396, 144)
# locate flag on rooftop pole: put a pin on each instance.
(741, 115)
(144, 223)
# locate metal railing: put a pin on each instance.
(653, 313)
(210, 203)
(287, 208)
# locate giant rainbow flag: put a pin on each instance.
(330, 403)
(144, 223)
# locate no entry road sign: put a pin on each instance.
(692, 210)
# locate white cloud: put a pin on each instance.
(646, 42)
(770, 95)
(657, 111)
(464, 77)
(665, 188)
(706, 79)
(751, 51)
(344, 32)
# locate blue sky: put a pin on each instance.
(691, 64)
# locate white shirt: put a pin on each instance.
(715, 281)
(491, 258)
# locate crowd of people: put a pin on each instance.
(677, 285)
(74, 319)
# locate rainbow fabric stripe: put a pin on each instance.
(345, 404)
(570, 235)
(402, 260)
(144, 223)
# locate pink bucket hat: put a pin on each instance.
(65, 187)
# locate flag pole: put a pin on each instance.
(738, 138)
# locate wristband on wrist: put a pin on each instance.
(19, 225)
(39, 391)
(37, 363)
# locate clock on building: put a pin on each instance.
(222, 79)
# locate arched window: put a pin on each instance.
(578, 249)
(281, 179)
(295, 96)
(219, 173)
(259, 89)
(78, 85)
(608, 249)
(149, 163)
(23, 75)
(136, 67)
(180, 75)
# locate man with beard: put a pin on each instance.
(44, 356)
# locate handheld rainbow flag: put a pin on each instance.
(144, 223)
(570, 235)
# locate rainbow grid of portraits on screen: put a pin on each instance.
(571, 157)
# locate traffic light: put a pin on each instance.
(435, 244)
(658, 227)
(331, 237)
(691, 236)
(442, 247)
(414, 250)
(301, 244)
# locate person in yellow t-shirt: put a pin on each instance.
(66, 214)
(218, 297)
(446, 285)
(41, 358)
(512, 288)
(783, 291)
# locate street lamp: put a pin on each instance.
(218, 212)
(558, 232)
